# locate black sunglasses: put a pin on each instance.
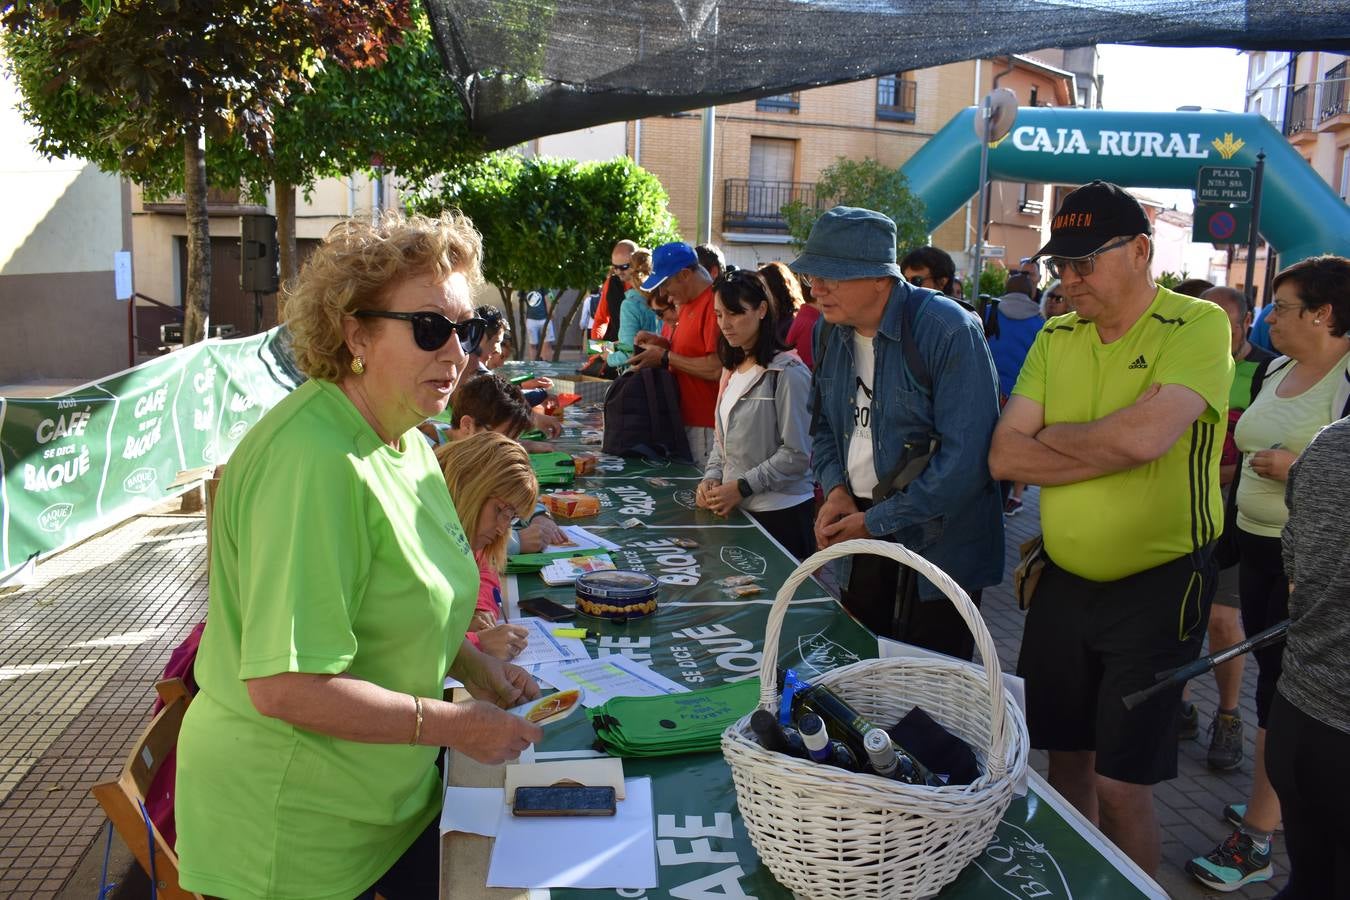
(623, 268)
(431, 330)
(917, 280)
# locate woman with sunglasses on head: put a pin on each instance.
(760, 458)
(341, 587)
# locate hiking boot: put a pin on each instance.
(1234, 813)
(1012, 507)
(1189, 717)
(1225, 742)
(1232, 864)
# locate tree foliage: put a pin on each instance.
(136, 85)
(551, 223)
(866, 183)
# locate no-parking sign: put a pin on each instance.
(1220, 223)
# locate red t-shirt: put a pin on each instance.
(799, 336)
(696, 336)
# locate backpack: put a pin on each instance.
(642, 416)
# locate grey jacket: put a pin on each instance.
(768, 438)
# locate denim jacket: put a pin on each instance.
(952, 513)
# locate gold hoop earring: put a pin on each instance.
(358, 365)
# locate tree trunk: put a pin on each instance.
(287, 254)
(519, 336)
(566, 325)
(197, 305)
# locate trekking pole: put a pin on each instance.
(1172, 677)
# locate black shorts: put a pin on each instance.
(1264, 589)
(1087, 644)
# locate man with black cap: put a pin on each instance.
(1118, 414)
(906, 402)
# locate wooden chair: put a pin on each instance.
(122, 799)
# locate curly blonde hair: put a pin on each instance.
(484, 466)
(357, 265)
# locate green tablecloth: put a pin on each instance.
(702, 636)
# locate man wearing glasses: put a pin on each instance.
(907, 399)
(605, 322)
(1118, 414)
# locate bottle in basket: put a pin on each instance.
(889, 761)
(821, 748)
(779, 738)
(847, 725)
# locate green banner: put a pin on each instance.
(72, 465)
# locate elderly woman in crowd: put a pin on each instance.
(341, 587)
(1302, 391)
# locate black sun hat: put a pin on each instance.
(1091, 216)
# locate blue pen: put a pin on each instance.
(501, 607)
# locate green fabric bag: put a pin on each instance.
(672, 724)
(553, 468)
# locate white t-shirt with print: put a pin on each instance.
(862, 471)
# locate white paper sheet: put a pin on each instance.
(472, 810)
(546, 647)
(608, 677)
(591, 852)
(581, 540)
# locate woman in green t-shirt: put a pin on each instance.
(1303, 391)
(341, 585)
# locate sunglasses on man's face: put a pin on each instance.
(621, 267)
(431, 330)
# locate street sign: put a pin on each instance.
(994, 251)
(1219, 223)
(1224, 184)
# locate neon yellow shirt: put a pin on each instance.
(1286, 422)
(1107, 528)
(332, 553)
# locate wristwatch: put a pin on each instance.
(744, 487)
(665, 359)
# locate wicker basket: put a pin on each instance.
(829, 834)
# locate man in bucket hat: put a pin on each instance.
(906, 401)
(1117, 413)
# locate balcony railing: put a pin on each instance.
(753, 205)
(1333, 94)
(779, 103)
(896, 98)
(1300, 112)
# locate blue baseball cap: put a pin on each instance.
(667, 260)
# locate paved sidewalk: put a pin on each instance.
(83, 645)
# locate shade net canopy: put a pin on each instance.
(533, 67)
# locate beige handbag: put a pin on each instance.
(1028, 572)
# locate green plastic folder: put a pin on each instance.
(526, 563)
(553, 468)
(673, 724)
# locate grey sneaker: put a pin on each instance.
(1225, 742)
(1189, 717)
(1233, 813)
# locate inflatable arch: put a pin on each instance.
(1300, 215)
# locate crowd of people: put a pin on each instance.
(843, 394)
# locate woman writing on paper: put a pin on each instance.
(341, 586)
(490, 478)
